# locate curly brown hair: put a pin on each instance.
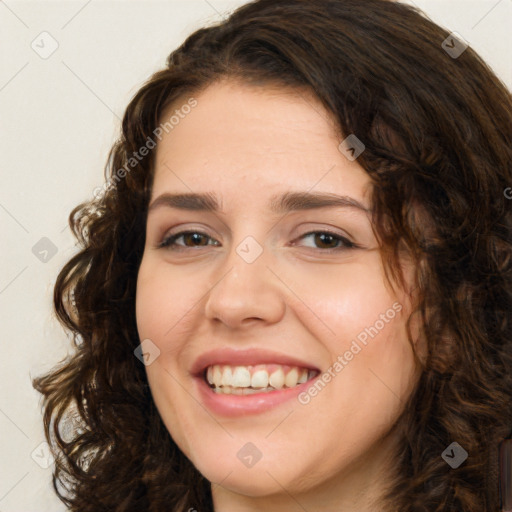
(437, 132)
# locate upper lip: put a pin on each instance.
(245, 357)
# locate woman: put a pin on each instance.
(294, 291)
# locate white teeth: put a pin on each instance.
(259, 379)
(241, 377)
(227, 376)
(247, 380)
(276, 380)
(291, 378)
(217, 376)
(250, 391)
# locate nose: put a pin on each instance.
(247, 288)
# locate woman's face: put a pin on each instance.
(258, 297)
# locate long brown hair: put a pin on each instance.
(437, 130)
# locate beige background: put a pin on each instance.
(59, 116)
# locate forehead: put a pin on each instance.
(242, 137)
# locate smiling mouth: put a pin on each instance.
(261, 378)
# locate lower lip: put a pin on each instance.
(241, 405)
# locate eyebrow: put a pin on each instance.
(279, 204)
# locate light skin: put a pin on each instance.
(304, 296)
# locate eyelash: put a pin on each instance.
(169, 242)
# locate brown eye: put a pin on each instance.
(190, 239)
(195, 239)
(329, 241)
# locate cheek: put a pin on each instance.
(343, 301)
(358, 319)
(148, 302)
(162, 302)
(161, 314)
